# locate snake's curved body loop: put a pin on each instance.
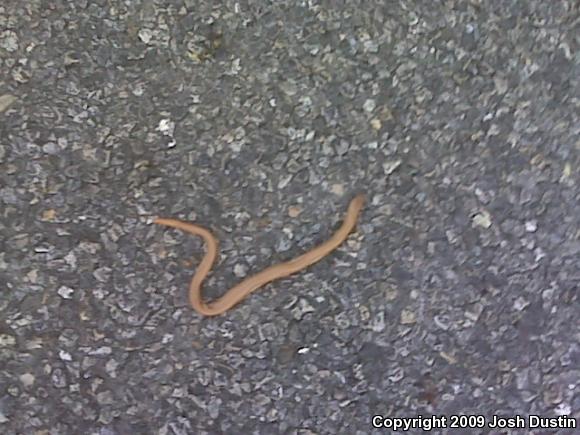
(252, 283)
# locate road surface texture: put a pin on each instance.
(456, 294)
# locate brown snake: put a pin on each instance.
(252, 283)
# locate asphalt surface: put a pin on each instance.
(457, 294)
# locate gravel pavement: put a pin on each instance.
(457, 294)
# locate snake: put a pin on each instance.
(240, 291)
